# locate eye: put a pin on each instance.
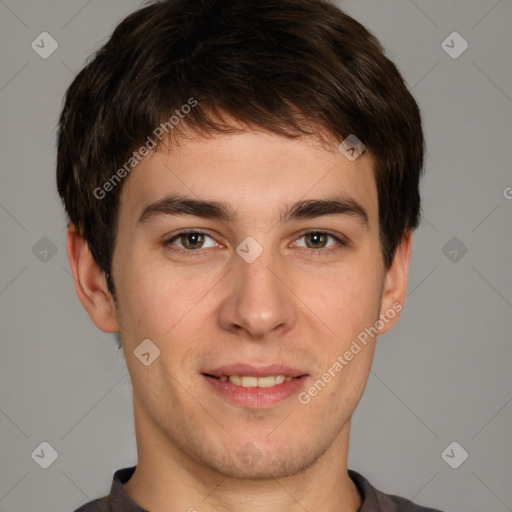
(318, 242)
(190, 240)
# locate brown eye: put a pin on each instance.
(319, 243)
(190, 241)
(318, 240)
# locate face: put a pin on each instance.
(264, 287)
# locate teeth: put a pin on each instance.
(247, 381)
(250, 382)
(263, 382)
(235, 379)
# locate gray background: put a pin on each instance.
(441, 375)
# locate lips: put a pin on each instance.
(256, 391)
(255, 387)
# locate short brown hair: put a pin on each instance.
(282, 65)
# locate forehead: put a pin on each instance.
(256, 173)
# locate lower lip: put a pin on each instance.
(257, 398)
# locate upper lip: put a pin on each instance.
(255, 371)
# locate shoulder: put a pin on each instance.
(378, 501)
(392, 503)
(117, 500)
(98, 505)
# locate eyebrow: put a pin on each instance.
(176, 205)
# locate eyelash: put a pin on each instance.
(198, 252)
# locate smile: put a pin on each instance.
(249, 381)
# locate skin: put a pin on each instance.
(292, 306)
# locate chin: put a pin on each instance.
(265, 466)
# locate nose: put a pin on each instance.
(260, 301)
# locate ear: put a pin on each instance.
(90, 283)
(395, 284)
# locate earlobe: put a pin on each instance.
(395, 285)
(90, 283)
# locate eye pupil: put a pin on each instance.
(316, 237)
(196, 237)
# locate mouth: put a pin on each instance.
(254, 387)
(250, 381)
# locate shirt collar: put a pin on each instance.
(119, 500)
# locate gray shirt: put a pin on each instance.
(373, 499)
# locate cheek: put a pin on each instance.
(347, 297)
(160, 299)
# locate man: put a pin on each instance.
(241, 180)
